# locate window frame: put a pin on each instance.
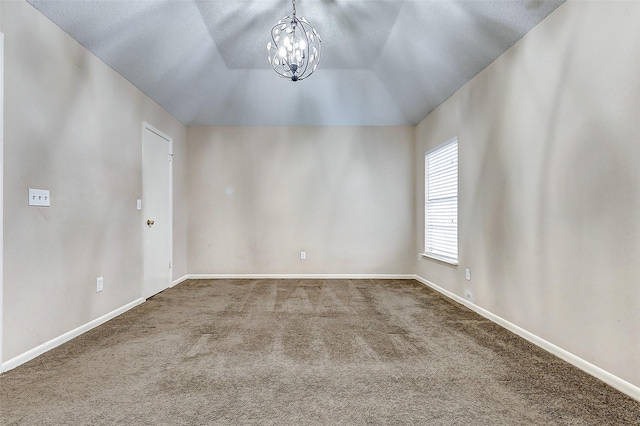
(436, 254)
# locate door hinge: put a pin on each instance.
(169, 264)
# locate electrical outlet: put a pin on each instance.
(468, 295)
(99, 284)
(467, 274)
(303, 255)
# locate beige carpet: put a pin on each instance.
(304, 352)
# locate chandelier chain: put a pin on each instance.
(294, 8)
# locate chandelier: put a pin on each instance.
(294, 49)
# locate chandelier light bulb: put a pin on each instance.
(295, 47)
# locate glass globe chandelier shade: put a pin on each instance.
(295, 47)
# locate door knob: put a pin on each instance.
(150, 222)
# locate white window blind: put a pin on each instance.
(441, 202)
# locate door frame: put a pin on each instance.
(1, 196)
(148, 127)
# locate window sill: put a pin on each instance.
(443, 259)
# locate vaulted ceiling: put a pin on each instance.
(383, 62)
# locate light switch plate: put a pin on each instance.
(39, 197)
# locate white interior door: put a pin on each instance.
(156, 209)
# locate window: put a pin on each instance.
(441, 202)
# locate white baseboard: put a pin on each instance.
(597, 372)
(179, 280)
(47, 346)
(298, 276)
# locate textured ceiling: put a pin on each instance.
(384, 62)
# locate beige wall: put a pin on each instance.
(549, 143)
(73, 126)
(258, 196)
